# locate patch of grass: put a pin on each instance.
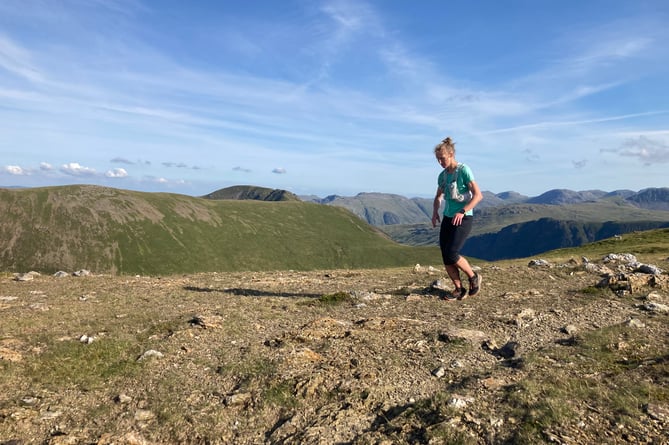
(335, 299)
(248, 371)
(87, 366)
(611, 370)
(161, 329)
(539, 405)
(595, 291)
(280, 394)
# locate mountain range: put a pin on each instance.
(386, 209)
(511, 225)
(255, 228)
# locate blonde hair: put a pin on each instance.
(447, 145)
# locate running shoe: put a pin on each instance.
(475, 284)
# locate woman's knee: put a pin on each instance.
(450, 258)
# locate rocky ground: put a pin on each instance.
(337, 357)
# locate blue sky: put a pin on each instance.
(334, 97)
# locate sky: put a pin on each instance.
(335, 96)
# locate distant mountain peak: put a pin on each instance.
(565, 196)
(250, 192)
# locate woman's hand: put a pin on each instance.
(435, 219)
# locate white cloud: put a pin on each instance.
(116, 173)
(45, 166)
(279, 171)
(74, 169)
(16, 170)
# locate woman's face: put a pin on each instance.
(444, 158)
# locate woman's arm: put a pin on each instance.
(477, 196)
(435, 206)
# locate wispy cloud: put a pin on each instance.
(17, 61)
(644, 149)
(119, 160)
(576, 122)
(580, 164)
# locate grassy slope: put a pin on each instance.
(119, 231)
(652, 245)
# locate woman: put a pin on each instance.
(461, 194)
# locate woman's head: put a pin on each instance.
(445, 152)
(445, 147)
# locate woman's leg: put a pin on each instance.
(451, 240)
(464, 265)
(454, 275)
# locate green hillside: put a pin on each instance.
(652, 245)
(108, 230)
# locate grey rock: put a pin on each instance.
(151, 353)
(28, 276)
(570, 329)
(649, 269)
(439, 372)
(509, 350)
(620, 258)
(81, 273)
(539, 263)
(657, 412)
(635, 323)
(655, 307)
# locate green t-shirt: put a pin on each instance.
(464, 177)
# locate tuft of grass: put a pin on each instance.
(335, 299)
(248, 371)
(159, 329)
(280, 394)
(595, 291)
